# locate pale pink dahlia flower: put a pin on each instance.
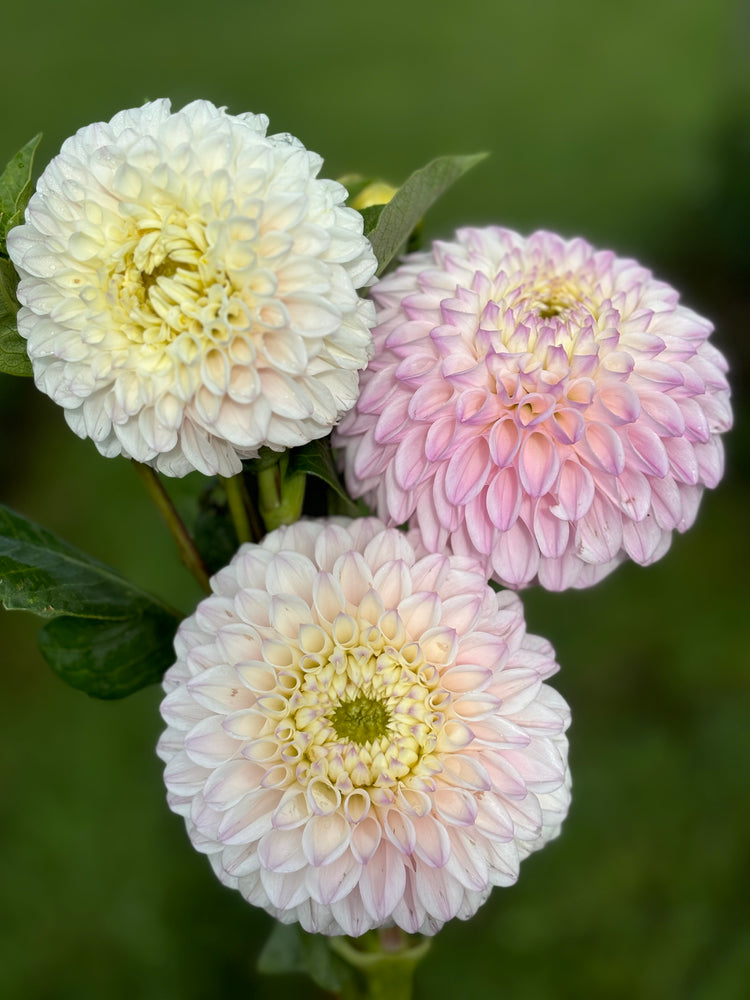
(358, 736)
(539, 404)
(189, 288)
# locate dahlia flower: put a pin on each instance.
(189, 288)
(358, 736)
(546, 407)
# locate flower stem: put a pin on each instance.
(245, 520)
(280, 496)
(385, 960)
(188, 552)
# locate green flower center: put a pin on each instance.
(549, 309)
(361, 721)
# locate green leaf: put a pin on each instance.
(316, 459)
(290, 949)
(214, 534)
(8, 285)
(338, 507)
(15, 191)
(402, 213)
(13, 357)
(15, 188)
(110, 659)
(106, 637)
(371, 216)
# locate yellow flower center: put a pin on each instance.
(158, 276)
(553, 296)
(182, 274)
(365, 709)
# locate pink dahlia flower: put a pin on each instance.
(542, 405)
(358, 736)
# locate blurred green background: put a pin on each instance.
(624, 123)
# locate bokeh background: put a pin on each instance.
(626, 123)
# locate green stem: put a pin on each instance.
(385, 962)
(188, 552)
(245, 520)
(280, 496)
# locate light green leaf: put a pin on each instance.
(15, 188)
(403, 212)
(8, 285)
(106, 637)
(13, 357)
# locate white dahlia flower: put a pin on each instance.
(189, 288)
(549, 408)
(359, 736)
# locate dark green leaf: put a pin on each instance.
(402, 213)
(214, 533)
(40, 572)
(282, 951)
(338, 506)
(106, 636)
(110, 659)
(371, 215)
(290, 949)
(316, 459)
(15, 188)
